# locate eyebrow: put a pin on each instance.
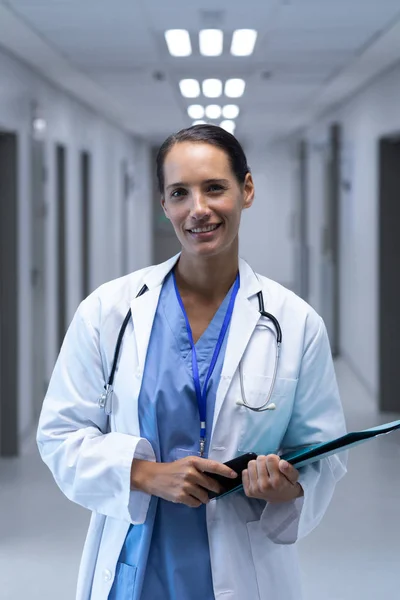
(185, 184)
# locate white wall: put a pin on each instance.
(265, 239)
(265, 235)
(78, 128)
(372, 113)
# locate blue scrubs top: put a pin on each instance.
(168, 556)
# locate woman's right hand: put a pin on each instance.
(183, 481)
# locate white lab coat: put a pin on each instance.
(251, 543)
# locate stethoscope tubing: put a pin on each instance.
(105, 400)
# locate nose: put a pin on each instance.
(200, 208)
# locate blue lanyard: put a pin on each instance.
(202, 395)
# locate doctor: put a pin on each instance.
(195, 360)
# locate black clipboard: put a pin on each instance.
(310, 454)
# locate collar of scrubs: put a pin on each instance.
(201, 395)
(250, 284)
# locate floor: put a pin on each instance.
(353, 555)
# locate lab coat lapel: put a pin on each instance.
(143, 313)
(144, 308)
(244, 320)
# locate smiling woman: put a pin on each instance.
(188, 341)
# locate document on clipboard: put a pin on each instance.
(310, 454)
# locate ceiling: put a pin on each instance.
(112, 55)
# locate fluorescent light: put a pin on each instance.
(213, 111)
(230, 111)
(228, 126)
(178, 42)
(39, 125)
(196, 111)
(234, 88)
(190, 88)
(243, 42)
(211, 42)
(199, 122)
(212, 88)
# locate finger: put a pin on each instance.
(185, 497)
(212, 466)
(191, 502)
(289, 471)
(209, 483)
(272, 462)
(262, 473)
(253, 477)
(246, 482)
(198, 493)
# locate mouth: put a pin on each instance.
(207, 229)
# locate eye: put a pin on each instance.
(178, 193)
(215, 188)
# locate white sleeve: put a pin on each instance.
(317, 417)
(91, 467)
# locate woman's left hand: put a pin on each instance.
(272, 479)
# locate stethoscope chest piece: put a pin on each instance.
(105, 400)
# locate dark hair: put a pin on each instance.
(209, 134)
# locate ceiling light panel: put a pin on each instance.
(199, 122)
(228, 126)
(196, 111)
(213, 111)
(211, 42)
(234, 88)
(190, 88)
(178, 42)
(212, 88)
(243, 42)
(230, 111)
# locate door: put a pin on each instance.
(126, 215)
(38, 236)
(329, 279)
(389, 274)
(165, 242)
(8, 294)
(300, 229)
(85, 167)
(61, 241)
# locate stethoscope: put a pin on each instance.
(105, 400)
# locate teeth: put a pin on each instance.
(204, 229)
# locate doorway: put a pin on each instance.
(61, 241)
(85, 167)
(38, 234)
(125, 213)
(165, 242)
(389, 274)
(329, 280)
(8, 294)
(300, 233)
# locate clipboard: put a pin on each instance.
(310, 454)
(306, 456)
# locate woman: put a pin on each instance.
(193, 330)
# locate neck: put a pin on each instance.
(210, 277)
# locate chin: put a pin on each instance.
(205, 250)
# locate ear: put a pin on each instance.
(164, 206)
(248, 191)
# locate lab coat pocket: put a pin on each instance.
(276, 567)
(124, 582)
(262, 432)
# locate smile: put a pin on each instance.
(205, 229)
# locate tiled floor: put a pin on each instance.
(353, 555)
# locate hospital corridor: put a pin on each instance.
(199, 235)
